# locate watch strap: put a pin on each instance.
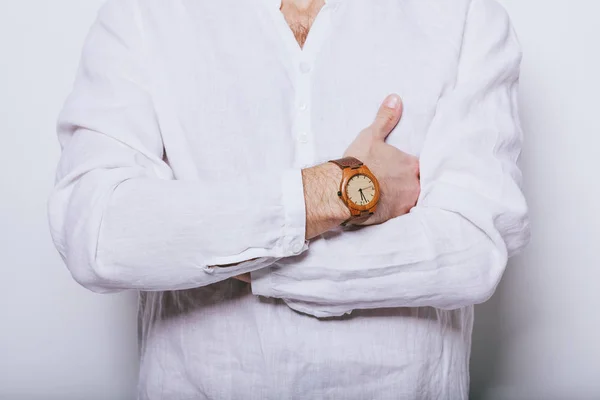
(347, 162)
(357, 219)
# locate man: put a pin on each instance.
(196, 169)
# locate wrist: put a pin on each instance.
(339, 211)
(324, 209)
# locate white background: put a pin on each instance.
(538, 338)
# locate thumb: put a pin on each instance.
(387, 117)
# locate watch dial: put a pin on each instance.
(360, 190)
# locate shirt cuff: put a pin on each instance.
(261, 282)
(293, 239)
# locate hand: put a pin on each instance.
(244, 277)
(362, 196)
(396, 171)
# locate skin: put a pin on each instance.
(300, 15)
(396, 171)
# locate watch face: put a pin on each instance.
(360, 190)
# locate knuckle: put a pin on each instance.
(383, 117)
(389, 117)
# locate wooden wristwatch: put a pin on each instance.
(359, 189)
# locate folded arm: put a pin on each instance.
(451, 250)
(119, 217)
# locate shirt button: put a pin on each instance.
(305, 67)
(303, 137)
(297, 247)
(303, 106)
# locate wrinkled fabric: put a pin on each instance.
(182, 146)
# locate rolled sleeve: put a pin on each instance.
(118, 215)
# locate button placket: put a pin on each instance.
(300, 67)
(297, 247)
(305, 152)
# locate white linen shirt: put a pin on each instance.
(182, 146)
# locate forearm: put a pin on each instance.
(121, 221)
(323, 208)
(118, 215)
(430, 257)
(127, 228)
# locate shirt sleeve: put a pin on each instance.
(451, 250)
(119, 217)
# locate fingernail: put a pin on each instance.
(392, 102)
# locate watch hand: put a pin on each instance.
(362, 195)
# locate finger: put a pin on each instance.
(244, 278)
(387, 117)
(418, 169)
